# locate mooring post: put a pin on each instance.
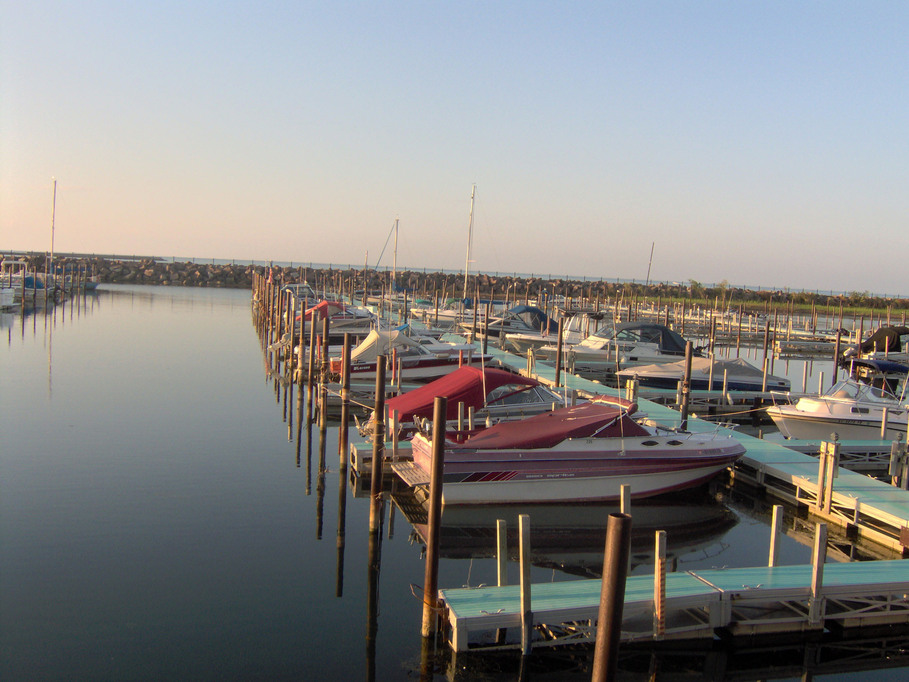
(526, 613)
(686, 386)
(885, 418)
(776, 525)
(836, 354)
(378, 447)
(501, 566)
(818, 557)
(612, 597)
(659, 585)
(831, 452)
(431, 581)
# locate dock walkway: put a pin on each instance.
(696, 604)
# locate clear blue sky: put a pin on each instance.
(753, 142)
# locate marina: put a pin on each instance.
(277, 441)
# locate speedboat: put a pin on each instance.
(735, 375)
(610, 349)
(493, 394)
(342, 318)
(576, 329)
(887, 343)
(422, 358)
(581, 453)
(852, 408)
(519, 319)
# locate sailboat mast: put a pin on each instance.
(53, 219)
(394, 260)
(469, 238)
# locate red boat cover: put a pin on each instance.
(551, 428)
(325, 309)
(464, 385)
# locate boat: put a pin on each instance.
(575, 329)
(889, 343)
(342, 318)
(494, 394)
(422, 358)
(581, 453)
(518, 319)
(707, 374)
(853, 408)
(612, 348)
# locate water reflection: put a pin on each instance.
(571, 538)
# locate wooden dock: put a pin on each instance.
(695, 605)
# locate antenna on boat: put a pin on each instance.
(473, 193)
(652, 244)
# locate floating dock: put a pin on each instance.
(696, 604)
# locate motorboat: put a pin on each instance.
(493, 394)
(342, 319)
(518, 319)
(581, 453)
(853, 408)
(888, 343)
(422, 358)
(575, 329)
(707, 374)
(612, 348)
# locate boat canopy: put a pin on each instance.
(381, 342)
(885, 339)
(534, 318)
(468, 384)
(325, 309)
(588, 420)
(700, 367)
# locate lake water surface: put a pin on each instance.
(159, 521)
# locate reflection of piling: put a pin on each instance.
(612, 597)
(372, 601)
(686, 386)
(320, 483)
(378, 447)
(345, 402)
(431, 582)
(342, 527)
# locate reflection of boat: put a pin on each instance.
(493, 393)
(586, 452)
(572, 537)
(852, 409)
(628, 344)
(739, 375)
(422, 358)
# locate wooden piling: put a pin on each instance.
(526, 613)
(431, 580)
(612, 597)
(686, 386)
(378, 446)
(776, 525)
(343, 436)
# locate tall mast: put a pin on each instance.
(469, 238)
(394, 260)
(53, 217)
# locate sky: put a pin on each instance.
(753, 143)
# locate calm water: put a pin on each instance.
(158, 521)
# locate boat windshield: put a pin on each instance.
(850, 390)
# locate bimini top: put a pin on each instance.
(588, 420)
(468, 384)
